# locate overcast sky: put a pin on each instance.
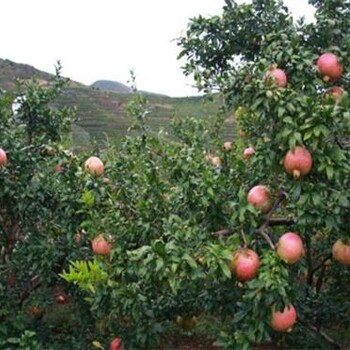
(104, 39)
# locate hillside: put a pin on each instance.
(102, 113)
(109, 85)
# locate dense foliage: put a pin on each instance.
(154, 237)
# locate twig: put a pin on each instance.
(324, 335)
(222, 233)
(281, 222)
(261, 230)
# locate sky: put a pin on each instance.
(105, 39)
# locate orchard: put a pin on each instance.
(117, 248)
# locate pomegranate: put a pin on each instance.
(242, 133)
(216, 161)
(277, 76)
(100, 246)
(228, 145)
(116, 344)
(282, 321)
(259, 196)
(298, 162)
(248, 153)
(94, 166)
(186, 323)
(58, 168)
(245, 264)
(290, 247)
(3, 157)
(341, 252)
(336, 92)
(329, 67)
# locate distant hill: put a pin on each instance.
(102, 113)
(109, 85)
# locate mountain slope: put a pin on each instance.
(102, 113)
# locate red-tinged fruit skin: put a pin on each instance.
(277, 76)
(3, 157)
(329, 67)
(228, 145)
(116, 344)
(336, 92)
(100, 246)
(283, 321)
(298, 162)
(341, 252)
(259, 196)
(245, 264)
(290, 247)
(94, 166)
(248, 153)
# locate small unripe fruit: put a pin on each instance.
(329, 67)
(228, 145)
(336, 92)
(259, 196)
(282, 321)
(290, 247)
(298, 162)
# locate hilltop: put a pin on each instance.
(101, 107)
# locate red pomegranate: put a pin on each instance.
(248, 153)
(228, 146)
(329, 67)
(245, 264)
(3, 157)
(341, 252)
(116, 344)
(336, 92)
(259, 196)
(290, 247)
(100, 246)
(94, 166)
(298, 162)
(277, 76)
(282, 321)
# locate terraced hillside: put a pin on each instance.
(102, 113)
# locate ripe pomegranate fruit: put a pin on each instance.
(259, 196)
(100, 246)
(3, 157)
(290, 247)
(277, 76)
(116, 344)
(248, 153)
(244, 264)
(341, 252)
(94, 166)
(336, 92)
(282, 321)
(298, 162)
(329, 67)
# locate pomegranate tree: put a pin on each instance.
(329, 67)
(298, 162)
(282, 321)
(341, 252)
(259, 196)
(245, 264)
(290, 247)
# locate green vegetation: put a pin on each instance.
(101, 114)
